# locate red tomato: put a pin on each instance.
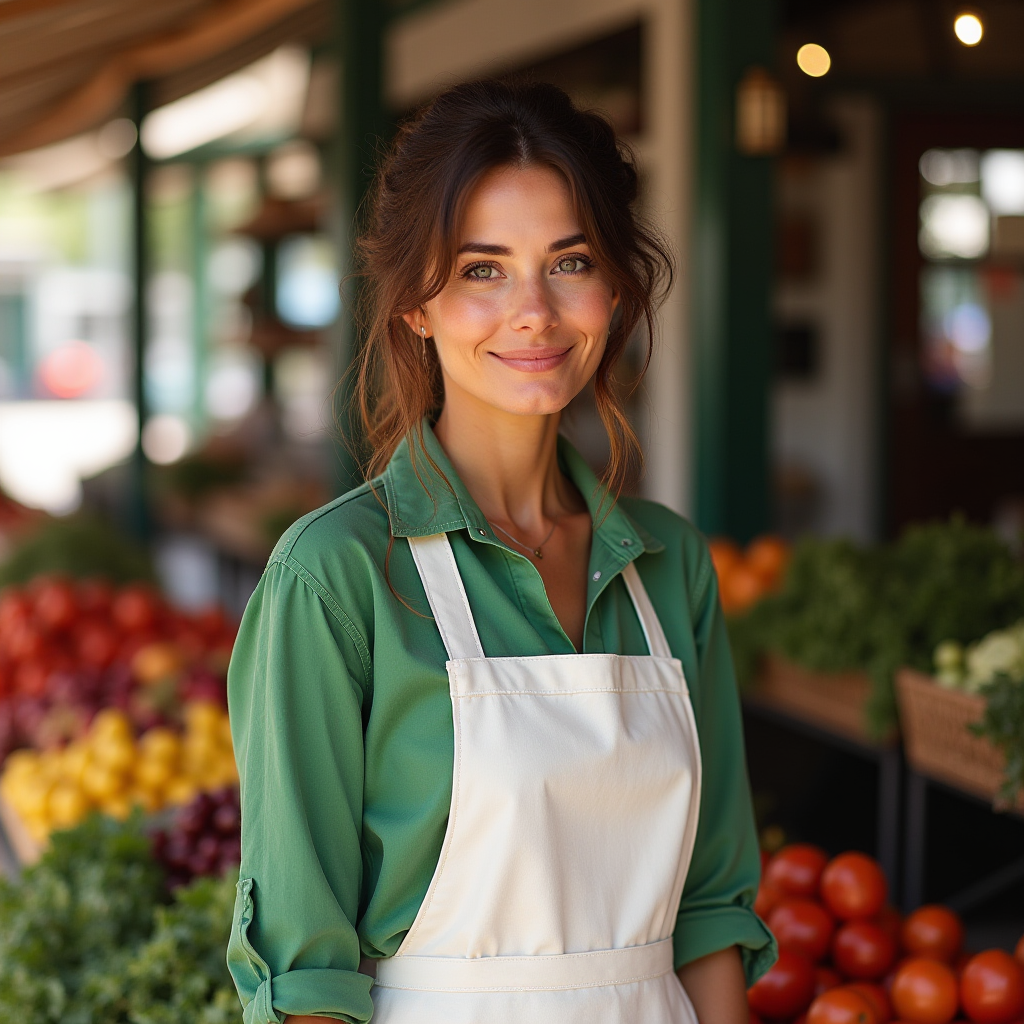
(875, 995)
(95, 642)
(94, 596)
(787, 988)
(925, 991)
(796, 870)
(841, 1006)
(890, 920)
(862, 950)
(30, 677)
(853, 886)
(803, 926)
(14, 607)
(826, 978)
(992, 988)
(135, 607)
(933, 931)
(55, 604)
(754, 1019)
(1019, 951)
(767, 899)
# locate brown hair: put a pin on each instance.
(408, 250)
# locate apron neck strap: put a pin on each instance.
(649, 622)
(435, 562)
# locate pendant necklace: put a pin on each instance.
(536, 551)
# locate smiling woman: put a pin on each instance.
(481, 702)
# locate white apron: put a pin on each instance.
(575, 793)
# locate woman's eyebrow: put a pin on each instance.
(488, 249)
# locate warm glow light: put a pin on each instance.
(968, 29)
(813, 60)
(71, 370)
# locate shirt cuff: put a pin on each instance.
(702, 932)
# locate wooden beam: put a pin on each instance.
(100, 96)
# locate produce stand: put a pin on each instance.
(829, 708)
(941, 751)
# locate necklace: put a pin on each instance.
(515, 540)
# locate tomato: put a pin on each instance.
(135, 607)
(786, 990)
(94, 596)
(890, 920)
(30, 677)
(796, 870)
(24, 642)
(992, 988)
(933, 931)
(925, 991)
(56, 604)
(853, 886)
(803, 926)
(841, 1006)
(15, 607)
(754, 1019)
(1019, 951)
(767, 899)
(826, 978)
(876, 997)
(861, 949)
(95, 642)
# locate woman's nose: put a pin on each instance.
(533, 307)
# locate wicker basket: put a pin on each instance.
(834, 701)
(937, 740)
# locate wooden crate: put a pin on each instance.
(834, 701)
(937, 741)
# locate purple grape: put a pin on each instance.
(202, 865)
(177, 851)
(226, 819)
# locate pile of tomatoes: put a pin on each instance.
(845, 957)
(745, 576)
(71, 648)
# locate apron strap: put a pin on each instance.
(649, 622)
(435, 562)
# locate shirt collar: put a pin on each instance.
(420, 503)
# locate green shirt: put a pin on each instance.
(342, 724)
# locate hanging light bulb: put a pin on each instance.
(760, 114)
(968, 28)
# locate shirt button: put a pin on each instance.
(626, 542)
(597, 575)
(483, 533)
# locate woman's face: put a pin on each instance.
(522, 323)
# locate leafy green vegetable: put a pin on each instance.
(87, 937)
(79, 546)
(1003, 726)
(878, 609)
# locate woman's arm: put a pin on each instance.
(716, 986)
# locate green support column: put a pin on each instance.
(365, 126)
(731, 279)
(138, 515)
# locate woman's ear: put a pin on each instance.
(417, 320)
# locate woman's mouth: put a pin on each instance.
(534, 360)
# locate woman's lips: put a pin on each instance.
(533, 360)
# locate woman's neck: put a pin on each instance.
(508, 463)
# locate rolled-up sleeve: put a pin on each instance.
(298, 681)
(716, 910)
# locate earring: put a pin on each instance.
(423, 348)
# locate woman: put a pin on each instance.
(484, 712)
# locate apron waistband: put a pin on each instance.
(527, 973)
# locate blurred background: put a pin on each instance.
(841, 358)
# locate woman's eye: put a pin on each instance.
(482, 273)
(571, 265)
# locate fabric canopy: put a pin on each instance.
(68, 65)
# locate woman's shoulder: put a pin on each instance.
(676, 542)
(350, 529)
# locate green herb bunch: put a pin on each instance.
(87, 936)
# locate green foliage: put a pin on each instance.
(1003, 726)
(86, 937)
(877, 609)
(79, 546)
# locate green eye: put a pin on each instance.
(483, 273)
(570, 265)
